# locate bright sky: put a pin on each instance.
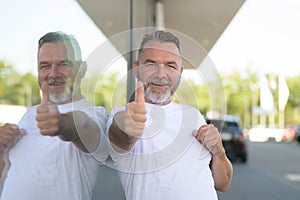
(264, 35)
(24, 22)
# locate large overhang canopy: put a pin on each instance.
(202, 20)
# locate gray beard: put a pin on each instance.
(60, 96)
(158, 97)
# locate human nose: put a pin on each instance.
(53, 71)
(160, 70)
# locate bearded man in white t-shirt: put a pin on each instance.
(49, 151)
(165, 150)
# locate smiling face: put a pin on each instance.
(56, 65)
(160, 70)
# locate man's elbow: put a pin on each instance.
(223, 188)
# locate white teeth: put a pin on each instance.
(51, 81)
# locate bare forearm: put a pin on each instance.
(222, 171)
(5, 164)
(67, 127)
(78, 128)
(118, 138)
(2, 163)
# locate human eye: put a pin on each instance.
(44, 66)
(65, 64)
(171, 66)
(150, 64)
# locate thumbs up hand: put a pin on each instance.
(47, 114)
(128, 125)
(135, 114)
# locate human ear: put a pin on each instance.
(82, 70)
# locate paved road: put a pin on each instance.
(272, 173)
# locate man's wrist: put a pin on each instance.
(64, 133)
(118, 137)
(219, 152)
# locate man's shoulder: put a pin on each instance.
(185, 107)
(31, 109)
(83, 104)
(117, 109)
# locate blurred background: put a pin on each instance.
(253, 45)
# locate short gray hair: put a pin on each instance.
(160, 36)
(59, 36)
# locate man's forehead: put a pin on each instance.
(56, 49)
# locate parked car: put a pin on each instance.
(296, 129)
(232, 136)
(297, 132)
(288, 134)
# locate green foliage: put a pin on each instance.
(107, 91)
(17, 89)
(242, 94)
(234, 95)
(241, 90)
(293, 105)
(193, 94)
(238, 90)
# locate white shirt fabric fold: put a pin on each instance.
(167, 162)
(45, 167)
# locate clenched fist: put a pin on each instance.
(209, 137)
(10, 134)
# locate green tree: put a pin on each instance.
(241, 89)
(292, 108)
(107, 91)
(193, 94)
(17, 89)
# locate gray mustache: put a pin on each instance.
(160, 81)
(52, 81)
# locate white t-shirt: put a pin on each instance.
(167, 162)
(47, 168)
